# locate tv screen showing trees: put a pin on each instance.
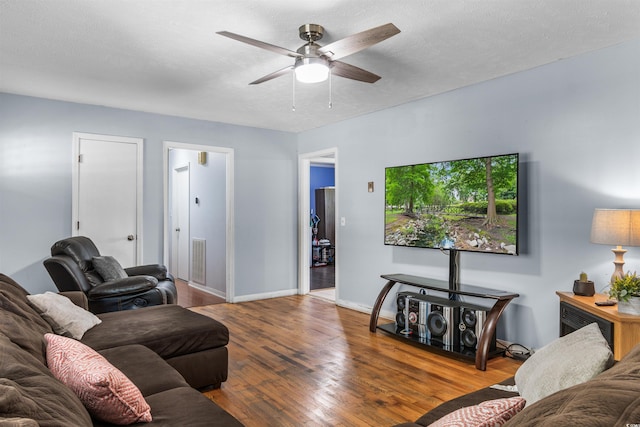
(466, 204)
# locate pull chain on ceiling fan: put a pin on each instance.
(293, 96)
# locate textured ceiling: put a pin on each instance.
(163, 56)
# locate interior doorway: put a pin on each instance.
(318, 242)
(198, 220)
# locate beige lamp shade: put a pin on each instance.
(619, 227)
(616, 227)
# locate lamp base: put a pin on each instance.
(618, 272)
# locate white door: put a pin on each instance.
(180, 223)
(108, 194)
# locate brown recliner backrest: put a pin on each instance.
(80, 250)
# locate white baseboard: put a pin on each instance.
(366, 309)
(214, 292)
(384, 314)
(266, 295)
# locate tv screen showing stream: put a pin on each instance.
(465, 204)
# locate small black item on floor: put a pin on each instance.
(517, 352)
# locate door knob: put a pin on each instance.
(130, 237)
(178, 229)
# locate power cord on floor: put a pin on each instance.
(517, 352)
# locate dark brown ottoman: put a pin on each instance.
(195, 345)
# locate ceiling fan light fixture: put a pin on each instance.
(311, 70)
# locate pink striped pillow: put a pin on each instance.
(103, 389)
(492, 413)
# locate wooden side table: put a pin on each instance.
(626, 327)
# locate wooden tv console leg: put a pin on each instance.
(482, 352)
(375, 313)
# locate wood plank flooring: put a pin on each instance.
(188, 296)
(303, 361)
(322, 277)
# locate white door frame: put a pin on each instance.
(304, 231)
(230, 238)
(77, 136)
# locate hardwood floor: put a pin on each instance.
(322, 277)
(303, 361)
(188, 296)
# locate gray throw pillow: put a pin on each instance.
(64, 316)
(109, 268)
(567, 361)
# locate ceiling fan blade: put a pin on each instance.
(273, 75)
(262, 45)
(352, 72)
(356, 42)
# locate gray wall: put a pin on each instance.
(576, 125)
(35, 187)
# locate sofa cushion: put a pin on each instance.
(465, 400)
(206, 368)
(169, 330)
(491, 413)
(142, 366)
(108, 268)
(28, 390)
(64, 316)
(105, 391)
(610, 399)
(19, 320)
(185, 406)
(567, 361)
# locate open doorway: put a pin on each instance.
(198, 223)
(318, 248)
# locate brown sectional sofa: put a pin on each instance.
(611, 399)
(165, 351)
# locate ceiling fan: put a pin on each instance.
(313, 62)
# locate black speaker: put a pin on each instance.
(401, 301)
(441, 324)
(471, 321)
(412, 313)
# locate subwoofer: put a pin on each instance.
(441, 324)
(471, 322)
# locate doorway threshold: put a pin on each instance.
(328, 294)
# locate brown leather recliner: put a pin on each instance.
(71, 268)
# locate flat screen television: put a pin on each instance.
(459, 205)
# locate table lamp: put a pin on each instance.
(616, 227)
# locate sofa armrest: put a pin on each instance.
(126, 286)
(77, 297)
(155, 270)
(66, 274)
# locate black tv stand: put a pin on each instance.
(502, 298)
(454, 271)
